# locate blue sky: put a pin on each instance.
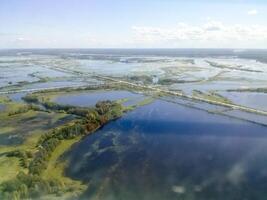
(133, 24)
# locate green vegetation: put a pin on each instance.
(24, 109)
(48, 130)
(4, 99)
(9, 167)
(20, 84)
(44, 93)
(212, 96)
(26, 186)
(141, 79)
(36, 159)
(144, 102)
(24, 156)
(21, 125)
(169, 81)
(222, 66)
(258, 90)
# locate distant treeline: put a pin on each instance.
(258, 90)
(25, 109)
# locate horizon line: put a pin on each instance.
(130, 48)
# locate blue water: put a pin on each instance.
(166, 151)
(248, 99)
(17, 97)
(2, 107)
(52, 84)
(91, 98)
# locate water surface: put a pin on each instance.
(249, 99)
(17, 97)
(91, 98)
(167, 151)
(2, 107)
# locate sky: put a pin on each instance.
(133, 24)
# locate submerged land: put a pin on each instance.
(133, 124)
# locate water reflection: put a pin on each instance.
(91, 98)
(167, 151)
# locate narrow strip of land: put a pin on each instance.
(190, 97)
(40, 89)
(135, 85)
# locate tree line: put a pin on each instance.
(32, 185)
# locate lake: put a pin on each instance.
(88, 99)
(168, 151)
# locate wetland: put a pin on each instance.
(96, 124)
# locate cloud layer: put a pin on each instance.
(209, 32)
(253, 12)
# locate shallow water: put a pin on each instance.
(52, 84)
(7, 139)
(167, 151)
(91, 98)
(2, 107)
(249, 99)
(17, 97)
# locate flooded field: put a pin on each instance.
(166, 151)
(2, 107)
(18, 128)
(88, 99)
(182, 72)
(249, 99)
(17, 97)
(174, 133)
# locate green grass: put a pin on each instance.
(31, 125)
(10, 107)
(144, 102)
(121, 101)
(56, 167)
(25, 123)
(9, 168)
(4, 99)
(212, 96)
(6, 129)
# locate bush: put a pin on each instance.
(32, 185)
(28, 186)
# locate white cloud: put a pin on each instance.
(22, 39)
(211, 31)
(253, 12)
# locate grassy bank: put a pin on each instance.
(36, 168)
